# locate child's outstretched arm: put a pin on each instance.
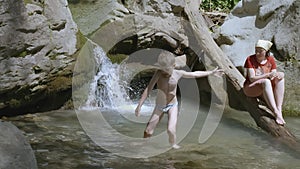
(198, 74)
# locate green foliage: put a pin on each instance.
(218, 6)
(291, 112)
(27, 1)
(73, 1)
(23, 54)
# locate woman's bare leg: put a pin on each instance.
(269, 97)
(172, 122)
(279, 93)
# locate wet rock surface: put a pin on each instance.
(37, 47)
(15, 151)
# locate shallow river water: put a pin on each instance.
(59, 142)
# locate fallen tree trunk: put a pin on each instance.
(263, 119)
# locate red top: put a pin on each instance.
(259, 69)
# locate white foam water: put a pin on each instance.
(106, 90)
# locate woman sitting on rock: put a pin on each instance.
(262, 79)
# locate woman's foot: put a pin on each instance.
(280, 121)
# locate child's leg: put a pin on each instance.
(172, 122)
(153, 121)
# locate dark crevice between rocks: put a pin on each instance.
(24, 30)
(19, 52)
(41, 104)
(277, 54)
(26, 50)
(126, 46)
(264, 20)
(20, 101)
(37, 69)
(58, 26)
(83, 1)
(40, 1)
(52, 55)
(48, 53)
(73, 1)
(36, 49)
(2, 48)
(123, 2)
(2, 24)
(39, 12)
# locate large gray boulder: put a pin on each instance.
(277, 21)
(15, 151)
(37, 48)
(130, 18)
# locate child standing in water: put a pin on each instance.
(166, 78)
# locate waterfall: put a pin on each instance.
(106, 90)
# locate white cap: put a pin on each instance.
(264, 44)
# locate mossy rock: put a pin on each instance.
(118, 58)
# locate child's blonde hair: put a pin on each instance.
(166, 59)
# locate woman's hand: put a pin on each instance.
(280, 75)
(271, 75)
